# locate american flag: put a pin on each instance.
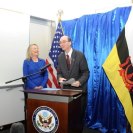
(53, 57)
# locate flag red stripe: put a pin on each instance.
(49, 83)
(50, 69)
(53, 77)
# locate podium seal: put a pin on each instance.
(45, 120)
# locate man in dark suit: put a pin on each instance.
(76, 68)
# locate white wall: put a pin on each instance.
(14, 39)
(11, 105)
(41, 33)
(129, 34)
(72, 8)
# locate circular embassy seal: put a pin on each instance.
(45, 120)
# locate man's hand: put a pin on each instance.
(76, 84)
(61, 80)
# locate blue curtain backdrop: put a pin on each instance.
(95, 35)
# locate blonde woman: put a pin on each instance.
(33, 64)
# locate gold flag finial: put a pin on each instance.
(59, 14)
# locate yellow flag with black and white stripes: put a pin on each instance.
(119, 70)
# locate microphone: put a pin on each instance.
(43, 68)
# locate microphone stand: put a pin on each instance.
(25, 77)
(25, 96)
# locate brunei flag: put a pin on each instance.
(119, 70)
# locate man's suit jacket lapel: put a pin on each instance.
(64, 62)
(73, 57)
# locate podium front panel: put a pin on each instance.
(63, 110)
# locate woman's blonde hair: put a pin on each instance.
(28, 54)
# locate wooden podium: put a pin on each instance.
(53, 110)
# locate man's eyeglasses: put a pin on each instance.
(64, 42)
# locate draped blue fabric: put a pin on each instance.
(95, 35)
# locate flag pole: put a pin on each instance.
(59, 14)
